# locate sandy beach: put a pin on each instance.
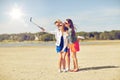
(96, 62)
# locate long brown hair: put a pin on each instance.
(71, 26)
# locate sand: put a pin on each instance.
(96, 62)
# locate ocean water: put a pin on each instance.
(20, 44)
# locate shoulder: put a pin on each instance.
(65, 34)
(69, 29)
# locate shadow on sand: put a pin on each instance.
(97, 68)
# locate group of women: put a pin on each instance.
(67, 44)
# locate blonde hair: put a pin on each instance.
(58, 21)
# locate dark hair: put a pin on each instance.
(71, 26)
(65, 28)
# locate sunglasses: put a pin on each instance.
(66, 23)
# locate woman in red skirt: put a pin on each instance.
(73, 45)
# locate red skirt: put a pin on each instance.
(74, 47)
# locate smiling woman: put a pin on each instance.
(16, 13)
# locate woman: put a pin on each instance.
(73, 44)
(61, 44)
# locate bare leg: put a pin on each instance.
(60, 61)
(68, 59)
(63, 59)
(75, 62)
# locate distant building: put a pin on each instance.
(36, 38)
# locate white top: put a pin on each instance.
(58, 36)
(65, 38)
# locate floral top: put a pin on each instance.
(71, 39)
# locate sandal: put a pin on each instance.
(75, 70)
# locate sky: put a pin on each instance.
(87, 15)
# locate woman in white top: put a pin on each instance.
(61, 44)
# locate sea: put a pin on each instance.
(27, 44)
